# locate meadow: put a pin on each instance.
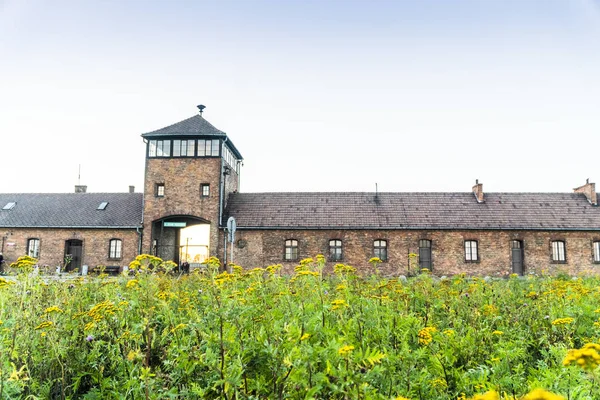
(254, 334)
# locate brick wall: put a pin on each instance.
(52, 245)
(262, 248)
(182, 178)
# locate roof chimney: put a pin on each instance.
(478, 191)
(131, 189)
(80, 188)
(589, 189)
(201, 107)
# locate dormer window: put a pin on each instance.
(102, 205)
(9, 206)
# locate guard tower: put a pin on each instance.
(191, 167)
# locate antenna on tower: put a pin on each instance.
(79, 175)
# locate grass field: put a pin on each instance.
(254, 334)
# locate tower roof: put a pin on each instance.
(195, 126)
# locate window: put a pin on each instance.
(114, 248)
(208, 147)
(596, 246)
(558, 251)
(335, 250)
(291, 250)
(160, 190)
(184, 148)
(33, 248)
(425, 253)
(204, 190)
(102, 205)
(159, 148)
(471, 250)
(380, 249)
(9, 205)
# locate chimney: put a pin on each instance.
(478, 191)
(131, 189)
(80, 188)
(589, 189)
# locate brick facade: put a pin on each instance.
(52, 245)
(264, 247)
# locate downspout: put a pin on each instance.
(137, 230)
(221, 195)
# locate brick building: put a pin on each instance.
(192, 174)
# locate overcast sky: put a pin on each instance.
(317, 95)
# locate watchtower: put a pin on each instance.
(191, 167)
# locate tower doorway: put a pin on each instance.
(181, 239)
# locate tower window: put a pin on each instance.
(471, 251)
(335, 250)
(184, 148)
(160, 190)
(114, 248)
(208, 148)
(159, 148)
(33, 247)
(380, 249)
(291, 250)
(559, 254)
(204, 190)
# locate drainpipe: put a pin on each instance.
(139, 249)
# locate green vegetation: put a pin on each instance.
(254, 334)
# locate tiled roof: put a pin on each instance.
(71, 210)
(194, 126)
(538, 211)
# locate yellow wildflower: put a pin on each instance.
(305, 336)
(563, 321)
(491, 395)
(587, 357)
(498, 333)
(541, 394)
(425, 336)
(52, 309)
(45, 324)
(344, 350)
(132, 283)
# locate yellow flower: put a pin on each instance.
(132, 355)
(45, 324)
(338, 303)
(344, 350)
(132, 283)
(498, 333)
(541, 394)
(89, 326)
(305, 336)
(491, 395)
(587, 357)
(52, 309)
(425, 336)
(401, 398)
(449, 332)
(563, 321)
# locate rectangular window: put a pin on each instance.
(160, 190)
(425, 254)
(184, 148)
(335, 250)
(380, 249)
(33, 248)
(471, 253)
(205, 190)
(558, 251)
(114, 248)
(291, 250)
(159, 148)
(596, 252)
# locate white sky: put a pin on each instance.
(317, 95)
